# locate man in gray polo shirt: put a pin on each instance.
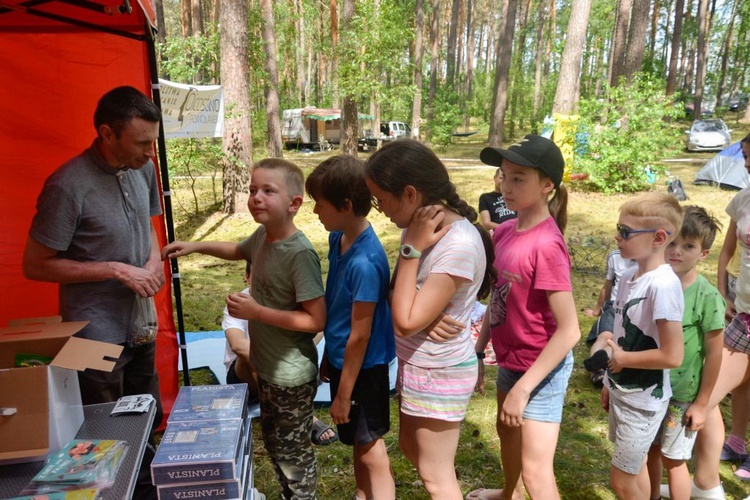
(92, 234)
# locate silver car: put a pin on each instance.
(708, 135)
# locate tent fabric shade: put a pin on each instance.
(726, 169)
(53, 75)
(328, 115)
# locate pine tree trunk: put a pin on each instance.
(416, 108)
(450, 62)
(619, 42)
(334, 56)
(271, 89)
(235, 75)
(566, 95)
(185, 20)
(502, 71)
(700, 69)
(349, 123)
(434, 34)
(636, 38)
(674, 55)
(539, 61)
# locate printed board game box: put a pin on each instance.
(42, 396)
(210, 402)
(234, 489)
(196, 451)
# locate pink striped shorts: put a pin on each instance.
(439, 393)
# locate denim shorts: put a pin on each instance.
(547, 399)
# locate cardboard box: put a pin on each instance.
(40, 406)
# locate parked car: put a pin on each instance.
(395, 129)
(737, 103)
(708, 135)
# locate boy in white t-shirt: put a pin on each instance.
(646, 341)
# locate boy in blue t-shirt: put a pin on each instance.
(359, 333)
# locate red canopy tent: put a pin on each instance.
(57, 57)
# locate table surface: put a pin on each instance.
(97, 424)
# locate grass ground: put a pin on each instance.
(583, 452)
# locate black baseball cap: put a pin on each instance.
(532, 151)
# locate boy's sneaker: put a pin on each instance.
(743, 472)
(716, 493)
(729, 455)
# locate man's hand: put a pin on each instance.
(144, 282)
(243, 306)
(444, 328)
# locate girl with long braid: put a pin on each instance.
(445, 263)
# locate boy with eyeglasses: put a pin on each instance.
(647, 339)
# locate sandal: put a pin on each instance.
(729, 455)
(597, 378)
(318, 430)
(743, 471)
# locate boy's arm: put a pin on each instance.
(227, 250)
(727, 251)
(669, 355)
(311, 317)
(354, 354)
(604, 294)
(696, 414)
(480, 345)
(487, 223)
(238, 342)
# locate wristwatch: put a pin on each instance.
(409, 252)
(480, 355)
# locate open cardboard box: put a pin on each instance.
(40, 406)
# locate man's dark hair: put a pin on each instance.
(120, 105)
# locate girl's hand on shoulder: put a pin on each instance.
(423, 229)
(444, 328)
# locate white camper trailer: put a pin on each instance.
(312, 127)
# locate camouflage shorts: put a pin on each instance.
(286, 424)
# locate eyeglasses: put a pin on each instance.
(625, 231)
(375, 203)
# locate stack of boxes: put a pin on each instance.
(206, 450)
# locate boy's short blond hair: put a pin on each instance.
(294, 178)
(658, 211)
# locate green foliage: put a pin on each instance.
(627, 133)
(184, 59)
(447, 116)
(190, 159)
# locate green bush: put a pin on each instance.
(627, 134)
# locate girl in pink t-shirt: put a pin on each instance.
(532, 317)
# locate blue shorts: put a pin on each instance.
(547, 399)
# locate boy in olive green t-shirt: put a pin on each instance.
(285, 310)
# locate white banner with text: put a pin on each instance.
(192, 111)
